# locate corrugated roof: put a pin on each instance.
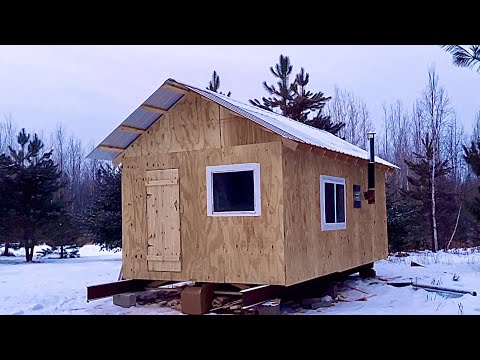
(165, 98)
(141, 118)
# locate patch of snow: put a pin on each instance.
(55, 286)
(95, 250)
(59, 286)
(85, 251)
(439, 270)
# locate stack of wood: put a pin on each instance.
(174, 304)
(227, 305)
(157, 296)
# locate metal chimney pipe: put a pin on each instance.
(370, 194)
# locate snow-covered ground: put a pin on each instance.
(440, 269)
(54, 286)
(59, 286)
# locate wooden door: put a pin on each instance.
(163, 220)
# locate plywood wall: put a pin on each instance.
(214, 249)
(311, 252)
(196, 123)
(237, 130)
(191, 125)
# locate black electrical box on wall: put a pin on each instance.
(357, 201)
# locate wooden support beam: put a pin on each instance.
(241, 286)
(153, 108)
(259, 294)
(230, 293)
(110, 148)
(175, 88)
(131, 129)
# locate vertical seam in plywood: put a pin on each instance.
(283, 216)
(222, 156)
(220, 126)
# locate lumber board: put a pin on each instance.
(110, 148)
(153, 108)
(131, 129)
(163, 221)
(161, 182)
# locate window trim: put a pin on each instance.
(235, 168)
(333, 180)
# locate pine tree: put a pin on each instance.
(472, 157)
(325, 123)
(35, 179)
(281, 97)
(103, 217)
(214, 84)
(294, 100)
(7, 228)
(402, 222)
(420, 192)
(469, 58)
(62, 232)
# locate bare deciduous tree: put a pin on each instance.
(476, 128)
(436, 108)
(397, 142)
(345, 107)
(8, 132)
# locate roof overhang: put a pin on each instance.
(139, 121)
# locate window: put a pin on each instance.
(233, 190)
(332, 203)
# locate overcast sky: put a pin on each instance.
(91, 89)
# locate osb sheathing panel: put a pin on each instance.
(311, 252)
(214, 249)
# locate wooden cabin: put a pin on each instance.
(218, 191)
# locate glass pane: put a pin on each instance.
(329, 203)
(340, 202)
(233, 191)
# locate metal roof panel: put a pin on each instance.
(141, 119)
(120, 139)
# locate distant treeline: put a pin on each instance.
(50, 193)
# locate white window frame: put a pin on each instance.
(235, 168)
(333, 180)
